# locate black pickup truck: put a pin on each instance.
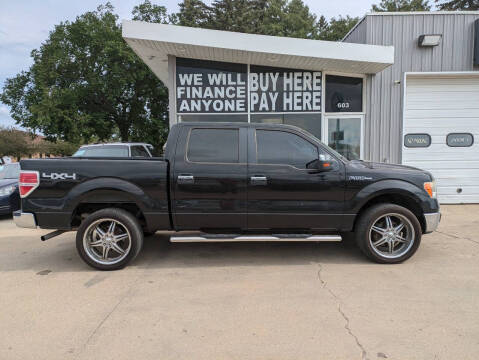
(231, 182)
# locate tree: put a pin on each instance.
(402, 5)
(268, 17)
(149, 12)
(85, 83)
(338, 28)
(193, 13)
(458, 4)
(14, 143)
(59, 148)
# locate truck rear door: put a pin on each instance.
(209, 178)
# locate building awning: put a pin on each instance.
(154, 42)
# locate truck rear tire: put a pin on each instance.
(109, 239)
(388, 233)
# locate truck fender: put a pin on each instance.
(107, 189)
(386, 187)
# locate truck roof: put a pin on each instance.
(116, 143)
(248, 125)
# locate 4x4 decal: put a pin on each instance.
(59, 176)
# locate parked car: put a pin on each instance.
(240, 182)
(9, 197)
(116, 150)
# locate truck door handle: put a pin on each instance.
(186, 179)
(259, 180)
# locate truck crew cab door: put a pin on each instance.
(287, 190)
(208, 178)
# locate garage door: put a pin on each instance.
(441, 132)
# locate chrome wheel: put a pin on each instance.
(391, 235)
(107, 241)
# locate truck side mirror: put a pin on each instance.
(319, 165)
(325, 165)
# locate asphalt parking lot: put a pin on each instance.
(242, 300)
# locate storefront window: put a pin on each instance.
(308, 122)
(344, 136)
(344, 94)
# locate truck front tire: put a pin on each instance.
(109, 239)
(388, 233)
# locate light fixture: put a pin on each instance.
(429, 40)
(151, 57)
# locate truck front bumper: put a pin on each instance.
(24, 220)
(432, 221)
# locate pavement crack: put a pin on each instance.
(347, 327)
(364, 354)
(457, 237)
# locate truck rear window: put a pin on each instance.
(213, 145)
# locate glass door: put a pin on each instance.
(344, 134)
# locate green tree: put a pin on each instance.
(338, 28)
(457, 4)
(268, 17)
(149, 12)
(402, 5)
(58, 148)
(14, 143)
(85, 83)
(193, 13)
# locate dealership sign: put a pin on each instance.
(214, 87)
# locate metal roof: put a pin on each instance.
(154, 42)
(407, 13)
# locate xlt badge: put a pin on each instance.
(359, 177)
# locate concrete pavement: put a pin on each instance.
(242, 300)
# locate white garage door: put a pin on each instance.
(441, 132)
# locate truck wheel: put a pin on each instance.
(388, 233)
(109, 239)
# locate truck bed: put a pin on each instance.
(68, 183)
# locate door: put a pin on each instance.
(441, 130)
(209, 179)
(285, 188)
(344, 134)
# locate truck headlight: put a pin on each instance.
(7, 190)
(430, 188)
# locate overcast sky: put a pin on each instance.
(25, 24)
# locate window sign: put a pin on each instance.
(210, 87)
(459, 140)
(284, 90)
(344, 94)
(417, 140)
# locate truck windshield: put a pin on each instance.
(102, 151)
(9, 171)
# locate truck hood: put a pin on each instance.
(388, 170)
(384, 166)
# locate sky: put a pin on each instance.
(25, 24)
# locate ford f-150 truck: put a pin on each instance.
(229, 182)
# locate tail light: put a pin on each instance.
(29, 181)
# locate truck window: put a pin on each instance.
(102, 151)
(213, 145)
(284, 148)
(139, 151)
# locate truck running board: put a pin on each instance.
(233, 238)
